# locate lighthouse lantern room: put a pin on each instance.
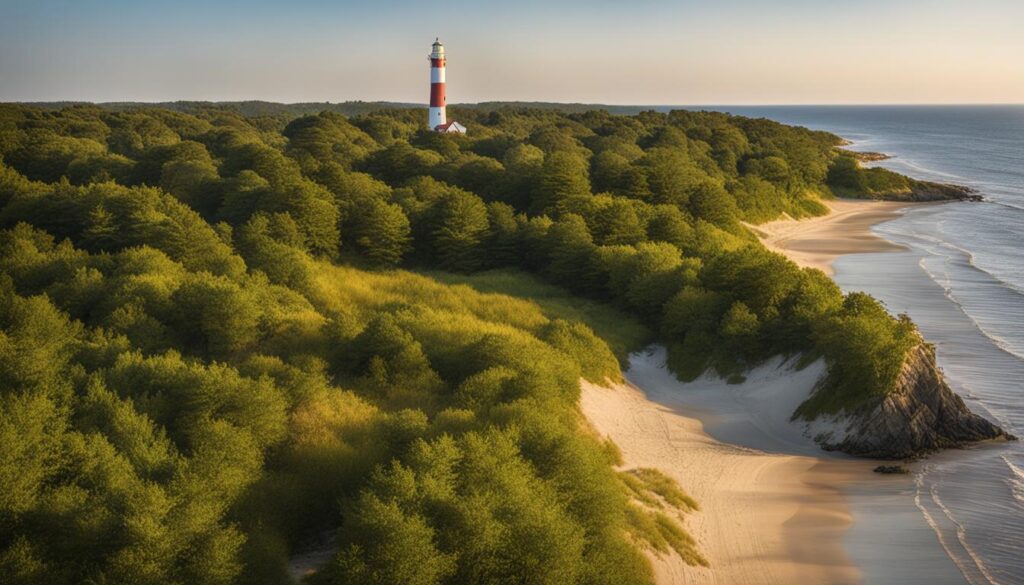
(437, 118)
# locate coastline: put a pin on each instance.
(818, 241)
(774, 509)
(764, 517)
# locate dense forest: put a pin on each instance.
(224, 335)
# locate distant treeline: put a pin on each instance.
(206, 356)
(248, 108)
(251, 108)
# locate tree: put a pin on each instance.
(692, 309)
(400, 162)
(572, 252)
(395, 547)
(846, 173)
(459, 226)
(669, 224)
(711, 202)
(189, 174)
(381, 232)
(272, 244)
(502, 241)
(670, 175)
(739, 328)
(479, 174)
(608, 168)
(564, 175)
(522, 164)
(617, 222)
(45, 154)
(217, 315)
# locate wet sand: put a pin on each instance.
(816, 242)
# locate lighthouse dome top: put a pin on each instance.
(438, 47)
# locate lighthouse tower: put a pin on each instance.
(437, 115)
(437, 119)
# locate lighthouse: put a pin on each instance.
(437, 118)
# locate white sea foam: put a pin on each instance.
(1006, 204)
(1016, 479)
(936, 248)
(945, 281)
(926, 170)
(961, 536)
(966, 559)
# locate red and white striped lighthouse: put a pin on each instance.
(437, 115)
(437, 119)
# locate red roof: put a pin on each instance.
(446, 126)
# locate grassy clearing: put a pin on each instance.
(622, 332)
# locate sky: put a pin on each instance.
(650, 52)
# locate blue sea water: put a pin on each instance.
(962, 281)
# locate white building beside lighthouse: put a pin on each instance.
(437, 118)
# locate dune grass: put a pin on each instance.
(655, 514)
(666, 487)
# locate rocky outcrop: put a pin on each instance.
(920, 191)
(864, 156)
(921, 415)
(930, 191)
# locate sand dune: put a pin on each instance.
(764, 518)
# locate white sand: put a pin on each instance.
(817, 241)
(755, 413)
(765, 517)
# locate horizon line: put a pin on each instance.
(499, 101)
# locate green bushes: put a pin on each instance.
(872, 346)
(850, 178)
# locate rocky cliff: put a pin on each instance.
(922, 415)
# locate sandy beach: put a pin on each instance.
(774, 507)
(764, 518)
(816, 242)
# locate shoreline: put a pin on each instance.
(765, 517)
(774, 508)
(817, 242)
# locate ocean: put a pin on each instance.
(961, 279)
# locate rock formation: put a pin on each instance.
(921, 415)
(930, 191)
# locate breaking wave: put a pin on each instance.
(959, 550)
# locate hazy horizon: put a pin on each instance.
(457, 104)
(737, 52)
